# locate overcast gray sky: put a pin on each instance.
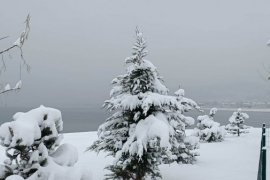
(214, 49)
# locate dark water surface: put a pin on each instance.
(88, 119)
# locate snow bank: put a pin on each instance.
(65, 155)
(54, 171)
(14, 177)
(233, 158)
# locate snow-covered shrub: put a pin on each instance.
(148, 126)
(236, 125)
(207, 129)
(32, 145)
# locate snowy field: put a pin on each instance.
(234, 158)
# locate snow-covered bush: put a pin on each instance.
(32, 146)
(148, 126)
(207, 129)
(236, 125)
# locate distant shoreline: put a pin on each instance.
(98, 109)
(243, 109)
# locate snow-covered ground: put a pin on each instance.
(234, 158)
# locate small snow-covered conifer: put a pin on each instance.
(147, 127)
(236, 125)
(32, 146)
(207, 129)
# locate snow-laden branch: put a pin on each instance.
(20, 41)
(3, 37)
(17, 44)
(8, 87)
(268, 43)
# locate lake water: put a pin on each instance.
(88, 119)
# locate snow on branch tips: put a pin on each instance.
(139, 49)
(21, 40)
(8, 88)
(17, 44)
(268, 43)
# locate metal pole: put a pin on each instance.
(263, 153)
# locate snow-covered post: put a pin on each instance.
(237, 120)
(264, 152)
(262, 161)
(147, 124)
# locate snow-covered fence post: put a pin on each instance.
(263, 152)
(262, 161)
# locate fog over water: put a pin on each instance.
(214, 49)
(89, 119)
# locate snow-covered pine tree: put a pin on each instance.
(207, 129)
(185, 148)
(236, 125)
(32, 146)
(142, 131)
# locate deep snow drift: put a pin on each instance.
(234, 158)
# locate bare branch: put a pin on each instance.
(3, 37)
(17, 44)
(7, 88)
(5, 91)
(4, 67)
(8, 49)
(20, 41)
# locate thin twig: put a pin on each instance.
(3, 37)
(17, 44)
(13, 89)
(20, 41)
(8, 49)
